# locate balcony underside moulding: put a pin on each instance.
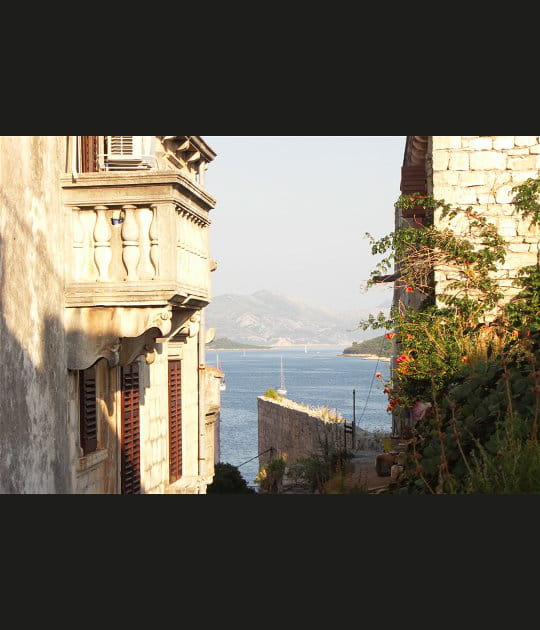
(159, 295)
(118, 334)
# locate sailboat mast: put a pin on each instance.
(282, 391)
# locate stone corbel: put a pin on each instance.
(144, 345)
(94, 333)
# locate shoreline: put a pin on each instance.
(367, 357)
(314, 347)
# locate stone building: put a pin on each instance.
(476, 171)
(104, 277)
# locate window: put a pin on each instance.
(175, 420)
(89, 154)
(130, 438)
(88, 410)
(130, 153)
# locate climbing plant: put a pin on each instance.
(467, 357)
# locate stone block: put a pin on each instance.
(519, 248)
(446, 142)
(497, 178)
(503, 142)
(445, 178)
(440, 160)
(459, 161)
(473, 178)
(526, 141)
(525, 163)
(514, 152)
(466, 196)
(518, 177)
(504, 194)
(486, 197)
(487, 160)
(446, 193)
(478, 144)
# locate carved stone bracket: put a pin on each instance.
(102, 332)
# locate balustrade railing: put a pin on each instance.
(140, 244)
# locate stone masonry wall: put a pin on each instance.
(34, 442)
(480, 171)
(293, 433)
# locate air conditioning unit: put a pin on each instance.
(130, 153)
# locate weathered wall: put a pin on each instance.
(34, 443)
(213, 417)
(291, 432)
(97, 473)
(480, 171)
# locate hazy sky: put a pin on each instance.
(293, 210)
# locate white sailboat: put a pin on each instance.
(282, 391)
(305, 349)
(223, 384)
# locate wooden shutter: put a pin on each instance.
(414, 180)
(89, 154)
(88, 410)
(121, 146)
(175, 420)
(130, 439)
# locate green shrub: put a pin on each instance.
(319, 468)
(228, 480)
(475, 419)
(510, 464)
(342, 483)
(270, 478)
(271, 393)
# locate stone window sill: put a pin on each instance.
(92, 460)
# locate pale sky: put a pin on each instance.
(293, 210)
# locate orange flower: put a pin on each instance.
(409, 336)
(409, 289)
(378, 375)
(390, 335)
(465, 360)
(403, 359)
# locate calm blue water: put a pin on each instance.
(317, 378)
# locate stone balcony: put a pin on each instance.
(137, 260)
(136, 239)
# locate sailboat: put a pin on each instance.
(282, 391)
(305, 349)
(223, 384)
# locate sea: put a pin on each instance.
(318, 377)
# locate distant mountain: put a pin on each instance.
(267, 318)
(224, 343)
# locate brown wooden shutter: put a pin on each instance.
(175, 420)
(88, 410)
(414, 180)
(89, 154)
(130, 439)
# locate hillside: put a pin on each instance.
(266, 318)
(380, 346)
(224, 343)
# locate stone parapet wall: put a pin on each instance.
(480, 171)
(293, 433)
